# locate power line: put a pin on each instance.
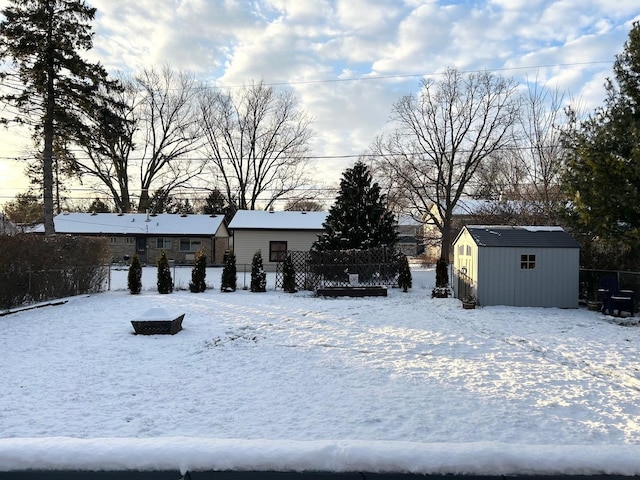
(417, 75)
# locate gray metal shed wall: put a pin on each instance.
(553, 283)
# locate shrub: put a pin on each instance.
(404, 273)
(134, 278)
(165, 282)
(288, 276)
(258, 275)
(36, 268)
(229, 277)
(198, 274)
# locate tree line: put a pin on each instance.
(529, 152)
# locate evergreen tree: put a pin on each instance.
(229, 277)
(288, 276)
(404, 273)
(52, 87)
(198, 274)
(134, 278)
(165, 282)
(603, 165)
(258, 275)
(359, 218)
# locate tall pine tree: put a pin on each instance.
(359, 218)
(603, 165)
(50, 87)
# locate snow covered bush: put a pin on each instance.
(258, 275)
(198, 274)
(165, 282)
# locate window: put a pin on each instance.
(113, 240)
(468, 250)
(190, 244)
(527, 262)
(277, 251)
(164, 243)
(129, 240)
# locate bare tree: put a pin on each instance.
(523, 182)
(154, 132)
(540, 152)
(442, 136)
(109, 148)
(258, 143)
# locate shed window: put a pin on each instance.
(164, 243)
(190, 244)
(527, 262)
(277, 251)
(469, 250)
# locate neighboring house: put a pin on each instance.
(180, 236)
(519, 266)
(410, 233)
(273, 233)
(7, 227)
(463, 212)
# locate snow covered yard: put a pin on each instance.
(294, 382)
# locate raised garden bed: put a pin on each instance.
(373, 291)
(156, 322)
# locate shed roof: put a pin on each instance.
(268, 220)
(521, 236)
(137, 223)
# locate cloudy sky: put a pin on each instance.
(350, 60)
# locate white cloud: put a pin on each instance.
(233, 42)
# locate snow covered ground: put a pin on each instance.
(274, 381)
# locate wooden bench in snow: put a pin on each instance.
(373, 291)
(156, 321)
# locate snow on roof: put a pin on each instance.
(290, 220)
(137, 223)
(521, 236)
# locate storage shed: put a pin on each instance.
(523, 266)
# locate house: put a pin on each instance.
(180, 236)
(517, 265)
(7, 227)
(464, 211)
(273, 233)
(410, 233)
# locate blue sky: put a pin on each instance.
(350, 60)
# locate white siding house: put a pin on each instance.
(273, 233)
(519, 266)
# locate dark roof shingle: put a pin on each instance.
(521, 236)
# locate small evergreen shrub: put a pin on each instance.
(442, 273)
(229, 277)
(134, 278)
(404, 273)
(165, 282)
(198, 274)
(258, 275)
(288, 276)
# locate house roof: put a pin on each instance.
(289, 220)
(137, 224)
(521, 236)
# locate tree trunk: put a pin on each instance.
(47, 153)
